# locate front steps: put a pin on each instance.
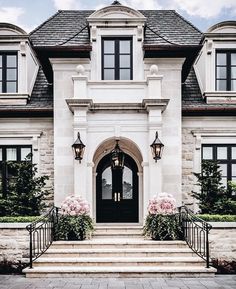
(119, 251)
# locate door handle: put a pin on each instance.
(119, 197)
(115, 197)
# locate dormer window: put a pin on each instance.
(226, 70)
(8, 72)
(117, 59)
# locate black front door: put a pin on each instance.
(117, 192)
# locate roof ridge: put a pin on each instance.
(187, 21)
(46, 21)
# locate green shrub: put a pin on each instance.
(26, 192)
(213, 197)
(19, 219)
(218, 218)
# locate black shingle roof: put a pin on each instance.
(69, 27)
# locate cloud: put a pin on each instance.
(203, 8)
(66, 4)
(142, 4)
(12, 15)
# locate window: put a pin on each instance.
(117, 59)
(226, 156)
(14, 154)
(226, 70)
(8, 72)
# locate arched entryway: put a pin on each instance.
(117, 192)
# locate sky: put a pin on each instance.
(28, 14)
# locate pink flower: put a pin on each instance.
(163, 204)
(75, 206)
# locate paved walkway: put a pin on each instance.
(20, 282)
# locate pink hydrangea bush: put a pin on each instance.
(75, 206)
(163, 204)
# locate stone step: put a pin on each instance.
(117, 243)
(118, 230)
(130, 272)
(116, 235)
(119, 261)
(119, 252)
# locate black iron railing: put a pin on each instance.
(195, 233)
(42, 234)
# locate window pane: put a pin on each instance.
(234, 170)
(0, 154)
(233, 84)
(221, 85)
(11, 60)
(224, 182)
(233, 72)
(0, 73)
(233, 58)
(109, 46)
(221, 72)
(124, 74)
(11, 87)
(125, 61)
(0, 86)
(0, 60)
(124, 46)
(207, 153)
(109, 74)
(11, 154)
(222, 153)
(233, 153)
(223, 168)
(221, 58)
(107, 184)
(109, 61)
(11, 74)
(24, 153)
(127, 184)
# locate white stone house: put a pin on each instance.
(118, 74)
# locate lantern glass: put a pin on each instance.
(117, 157)
(157, 148)
(78, 148)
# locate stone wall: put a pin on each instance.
(188, 146)
(223, 241)
(14, 242)
(46, 158)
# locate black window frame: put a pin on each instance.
(117, 54)
(229, 161)
(228, 66)
(4, 68)
(3, 165)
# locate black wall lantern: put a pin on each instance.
(117, 157)
(78, 148)
(157, 148)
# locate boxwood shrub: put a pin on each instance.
(218, 218)
(19, 219)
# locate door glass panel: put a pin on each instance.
(109, 46)
(234, 153)
(107, 184)
(0, 154)
(207, 153)
(222, 153)
(11, 154)
(223, 168)
(24, 153)
(127, 184)
(221, 58)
